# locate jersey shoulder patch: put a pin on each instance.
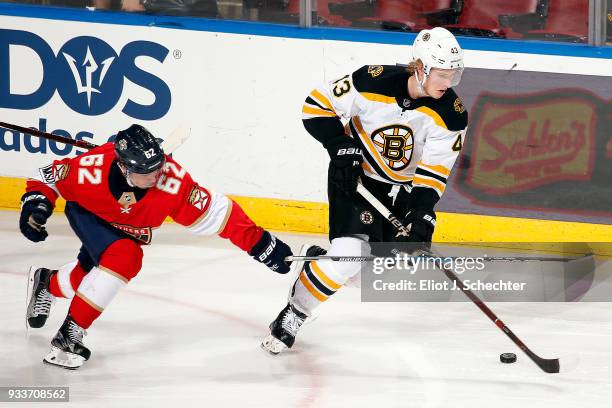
(451, 109)
(198, 197)
(54, 172)
(387, 80)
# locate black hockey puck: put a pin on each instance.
(507, 358)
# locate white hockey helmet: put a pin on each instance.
(438, 48)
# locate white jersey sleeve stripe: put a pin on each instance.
(227, 215)
(437, 169)
(215, 217)
(420, 181)
(49, 181)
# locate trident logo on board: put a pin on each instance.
(91, 67)
(88, 74)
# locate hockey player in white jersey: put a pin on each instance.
(399, 130)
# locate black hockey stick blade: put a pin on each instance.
(550, 366)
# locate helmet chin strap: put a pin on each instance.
(128, 179)
(126, 174)
(421, 84)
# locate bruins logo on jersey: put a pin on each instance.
(394, 143)
(458, 104)
(375, 70)
(366, 217)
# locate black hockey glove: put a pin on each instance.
(271, 252)
(345, 165)
(422, 224)
(35, 210)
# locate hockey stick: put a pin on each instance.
(78, 143)
(169, 144)
(484, 258)
(547, 365)
(176, 139)
(331, 258)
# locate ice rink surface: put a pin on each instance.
(186, 331)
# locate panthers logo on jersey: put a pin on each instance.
(198, 198)
(394, 143)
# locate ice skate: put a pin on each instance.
(67, 348)
(39, 299)
(283, 330)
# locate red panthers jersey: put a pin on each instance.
(85, 180)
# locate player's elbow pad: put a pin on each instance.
(324, 129)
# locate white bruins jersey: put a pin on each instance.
(403, 140)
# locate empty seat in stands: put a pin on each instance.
(391, 15)
(482, 17)
(288, 11)
(404, 15)
(567, 20)
(323, 13)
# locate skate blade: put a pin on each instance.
(30, 289)
(60, 358)
(273, 345)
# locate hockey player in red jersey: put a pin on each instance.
(116, 195)
(402, 132)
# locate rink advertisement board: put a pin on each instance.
(539, 145)
(82, 86)
(538, 142)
